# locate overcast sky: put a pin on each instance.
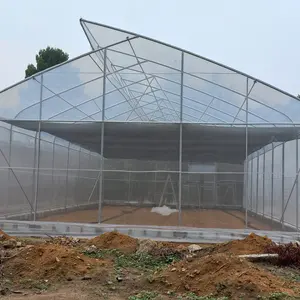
(258, 37)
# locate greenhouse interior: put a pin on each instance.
(140, 132)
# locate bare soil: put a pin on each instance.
(114, 266)
(205, 218)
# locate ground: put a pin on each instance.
(200, 218)
(113, 266)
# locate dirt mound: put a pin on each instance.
(4, 236)
(115, 240)
(48, 262)
(221, 275)
(252, 244)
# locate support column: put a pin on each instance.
(246, 155)
(282, 183)
(180, 143)
(263, 180)
(78, 185)
(52, 171)
(297, 185)
(272, 185)
(38, 153)
(89, 172)
(257, 182)
(102, 139)
(9, 170)
(67, 178)
(251, 184)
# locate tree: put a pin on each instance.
(45, 59)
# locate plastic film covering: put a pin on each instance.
(273, 183)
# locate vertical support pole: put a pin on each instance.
(297, 185)
(129, 187)
(257, 182)
(34, 171)
(263, 181)
(89, 175)
(246, 155)
(272, 185)
(282, 182)
(102, 139)
(78, 185)
(180, 143)
(9, 170)
(251, 184)
(52, 171)
(67, 178)
(38, 153)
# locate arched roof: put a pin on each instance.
(128, 78)
(149, 81)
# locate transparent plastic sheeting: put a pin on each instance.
(65, 176)
(143, 80)
(273, 188)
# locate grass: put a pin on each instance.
(144, 262)
(34, 284)
(144, 296)
(192, 296)
(277, 296)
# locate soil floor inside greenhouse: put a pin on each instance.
(114, 266)
(126, 215)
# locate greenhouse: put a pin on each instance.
(140, 132)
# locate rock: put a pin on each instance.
(194, 248)
(90, 250)
(146, 246)
(189, 258)
(57, 259)
(173, 270)
(9, 244)
(69, 279)
(19, 244)
(119, 279)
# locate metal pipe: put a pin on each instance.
(9, 161)
(251, 185)
(272, 185)
(263, 180)
(282, 182)
(67, 178)
(297, 184)
(38, 154)
(102, 141)
(52, 173)
(246, 155)
(257, 182)
(180, 142)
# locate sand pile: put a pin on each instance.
(252, 244)
(221, 275)
(115, 240)
(48, 262)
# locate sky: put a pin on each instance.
(260, 38)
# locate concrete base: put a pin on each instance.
(176, 234)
